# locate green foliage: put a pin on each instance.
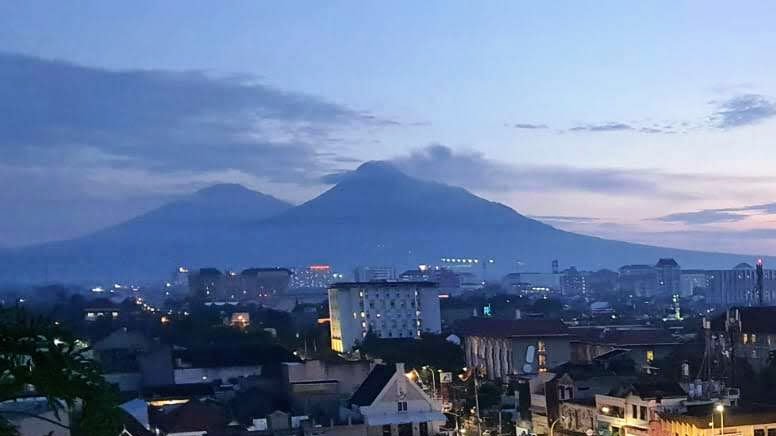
(432, 350)
(38, 354)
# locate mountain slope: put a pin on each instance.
(375, 215)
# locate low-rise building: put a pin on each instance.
(511, 347)
(629, 411)
(393, 405)
(707, 422)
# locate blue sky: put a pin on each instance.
(642, 121)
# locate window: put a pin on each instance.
(405, 429)
(423, 427)
(387, 430)
(634, 415)
(401, 406)
(772, 432)
(643, 413)
(759, 432)
(650, 356)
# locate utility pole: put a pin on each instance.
(477, 401)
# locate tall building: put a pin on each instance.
(573, 282)
(374, 273)
(668, 276)
(638, 280)
(386, 309)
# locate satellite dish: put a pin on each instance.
(527, 368)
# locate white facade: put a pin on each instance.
(401, 402)
(387, 309)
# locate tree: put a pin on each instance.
(39, 354)
(430, 350)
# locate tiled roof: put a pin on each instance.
(193, 416)
(625, 337)
(373, 385)
(511, 328)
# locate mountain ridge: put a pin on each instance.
(375, 215)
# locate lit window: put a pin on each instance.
(650, 356)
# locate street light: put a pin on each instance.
(433, 380)
(720, 408)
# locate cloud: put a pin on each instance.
(57, 111)
(566, 219)
(100, 146)
(722, 215)
(475, 171)
(530, 126)
(743, 110)
(603, 127)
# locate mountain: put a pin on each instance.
(374, 215)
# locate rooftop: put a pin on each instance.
(667, 263)
(373, 385)
(383, 284)
(193, 416)
(734, 416)
(625, 337)
(512, 328)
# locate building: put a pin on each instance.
(747, 332)
(569, 391)
(737, 421)
(573, 282)
(23, 414)
(542, 281)
(692, 281)
(643, 344)
(387, 309)
(668, 274)
(510, 347)
(629, 411)
(393, 405)
(738, 286)
(264, 282)
(314, 276)
(447, 281)
(638, 280)
(211, 284)
(373, 273)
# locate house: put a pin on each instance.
(393, 405)
(629, 411)
(569, 386)
(22, 413)
(737, 421)
(644, 345)
(227, 364)
(506, 347)
(193, 418)
(747, 332)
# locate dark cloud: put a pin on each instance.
(743, 110)
(165, 120)
(566, 219)
(702, 217)
(722, 215)
(530, 126)
(603, 127)
(473, 170)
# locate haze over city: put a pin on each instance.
(649, 122)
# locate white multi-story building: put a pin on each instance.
(386, 308)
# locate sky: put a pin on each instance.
(642, 121)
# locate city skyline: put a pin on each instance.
(645, 123)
